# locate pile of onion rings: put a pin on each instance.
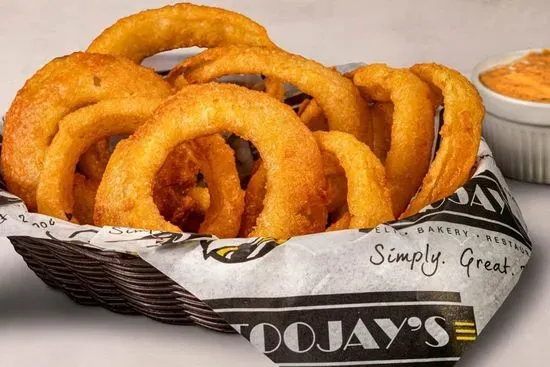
(356, 152)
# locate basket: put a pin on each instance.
(120, 282)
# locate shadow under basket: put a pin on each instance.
(119, 282)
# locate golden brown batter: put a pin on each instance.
(527, 78)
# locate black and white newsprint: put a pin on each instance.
(415, 292)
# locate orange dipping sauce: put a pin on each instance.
(527, 78)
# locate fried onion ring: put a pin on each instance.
(340, 100)
(460, 135)
(312, 114)
(289, 151)
(177, 26)
(59, 88)
(368, 198)
(77, 132)
(412, 131)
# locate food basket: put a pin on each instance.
(438, 275)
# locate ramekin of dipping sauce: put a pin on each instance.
(515, 88)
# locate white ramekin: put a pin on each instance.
(517, 131)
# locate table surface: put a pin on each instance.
(39, 326)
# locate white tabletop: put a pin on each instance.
(41, 327)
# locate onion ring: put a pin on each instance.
(312, 114)
(177, 26)
(368, 198)
(340, 100)
(77, 132)
(62, 86)
(460, 135)
(200, 110)
(412, 131)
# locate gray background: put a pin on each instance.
(41, 327)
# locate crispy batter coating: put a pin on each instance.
(312, 115)
(182, 211)
(337, 184)
(368, 199)
(275, 88)
(295, 198)
(340, 223)
(93, 162)
(460, 135)
(176, 177)
(255, 191)
(340, 100)
(253, 199)
(59, 88)
(201, 197)
(84, 191)
(217, 164)
(149, 32)
(382, 121)
(412, 129)
(176, 26)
